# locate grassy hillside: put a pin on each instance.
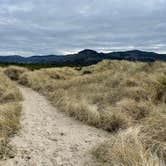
(125, 98)
(9, 113)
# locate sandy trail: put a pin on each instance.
(49, 138)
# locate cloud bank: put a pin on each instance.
(38, 27)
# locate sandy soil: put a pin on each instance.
(50, 138)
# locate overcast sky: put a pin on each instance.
(63, 26)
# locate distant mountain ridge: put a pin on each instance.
(85, 57)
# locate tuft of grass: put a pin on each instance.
(10, 110)
(154, 129)
(13, 72)
(135, 110)
(127, 149)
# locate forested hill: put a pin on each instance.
(85, 57)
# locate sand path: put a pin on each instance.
(50, 138)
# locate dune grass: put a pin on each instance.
(116, 96)
(14, 72)
(127, 148)
(9, 113)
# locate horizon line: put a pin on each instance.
(76, 52)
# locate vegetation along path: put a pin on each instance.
(49, 138)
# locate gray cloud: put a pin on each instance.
(60, 26)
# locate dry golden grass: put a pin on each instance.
(113, 95)
(127, 149)
(9, 113)
(13, 72)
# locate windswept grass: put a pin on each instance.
(14, 72)
(116, 96)
(9, 113)
(127, 149)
